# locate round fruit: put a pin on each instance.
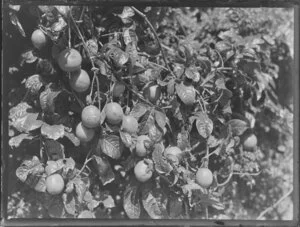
(114, 113)
(152, 93)
(250, 142)
(140, 148)
(204, 177)
(38, 39)
(55, 184)
(142, 171)
(90, 116)
(69, 60)
(173, 154)
(118, 89)
(80, 80)
(83, 133)
(130, 124)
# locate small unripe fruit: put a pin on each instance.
(69, 60)
(130, 124)
(38, 39)
(118, 89)
(173, 154)
(250, 143)
(55, 184)
(83, 133)
(142, 171)
(79, 80)
(152, 93)
(90, 116)
(140, 148)
(204, 177)
(114, 113)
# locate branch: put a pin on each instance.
(275, 204)
(156, 36)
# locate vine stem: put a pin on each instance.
(229, 176)
(69, 28)
(87, 160)
(156, 37)
(275, 204)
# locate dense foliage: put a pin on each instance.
(149, 113)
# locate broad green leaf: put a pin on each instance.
(29, 167)
(146, 121)
(238, 127)
(138, 110)
(17, 140)
(187, 94)
(131, 202)
(204, 125)
(104, 170)
(155, 203)
(161, 165)
(53, 131)
(111, 145)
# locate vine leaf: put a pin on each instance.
(160, 163)
(126, 15)
(72, 138)
(175, 208)
(238, 127)
(187, 94)
(131, 203)
(126, 139)
(29, 167)
(24, 118)
(15, 21)
(41, 184)
(53, 149)
(69, 203)
(109, 202)
(81, 185)
(192, 73)
(53, 131)
(111, 145)
(16, 141)
(138, 110)
(160, 118)
(155, 203)
(204, 124)
(146, 121)
(104, 170)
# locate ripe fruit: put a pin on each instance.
(55, 184)
(130, 124)
(69, 60)
(38, 39)
(152, 93)
(140, 148)
(118, 89)
(204, 177)
(142, 171)
(80, 80)
(90, 116)
(114, 113)
(250, 142)
(83, 133)
(173, 154)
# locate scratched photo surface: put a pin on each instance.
(149, 112)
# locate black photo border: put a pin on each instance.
(295, 4)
